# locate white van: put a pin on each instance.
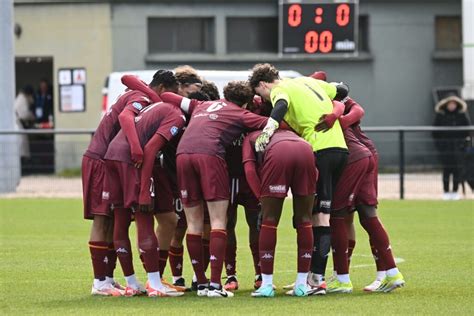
(113, 86)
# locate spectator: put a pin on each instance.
(24, 117)
(44, 103)
(451, 112)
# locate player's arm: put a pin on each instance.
(250, 167)
(280, 101)
(355, 114)
(127, 123)
(152, 147)
(186, 105)
(326, 121)
(134, 83)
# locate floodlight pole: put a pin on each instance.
(9, 149)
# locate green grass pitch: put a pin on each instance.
(45, 266)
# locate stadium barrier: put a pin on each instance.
(409, 164)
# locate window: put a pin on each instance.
(363, 36)
(180, 35)
(252, 35)
(448, 33)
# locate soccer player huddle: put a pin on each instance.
(175, 151)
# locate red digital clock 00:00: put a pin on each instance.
(318, 27)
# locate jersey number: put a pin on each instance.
(216, 106)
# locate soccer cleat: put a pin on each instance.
(258, 281)
(173, 286)
(300, 290)
(165, 292)
(231, 284)
(317, 287)
(132, 291)
(391, 283)
(106, 290)
(337, 286)
(372, 287)
(194, 286)
(264, 291)
(219, 292)
(117, 285)
(202, 289)
(289, 287)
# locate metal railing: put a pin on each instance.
(393, 148)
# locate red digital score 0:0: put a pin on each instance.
(313, 40)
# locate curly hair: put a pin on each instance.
(165, 78)
(210, 88)
(238, 92)
(263, 72)
(187, 75)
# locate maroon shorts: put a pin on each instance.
(202, 177)
(288, 164)
(367, 193)
(122, 184)
(93, 176)
(241, 194)
(165, 196)
(349, 184)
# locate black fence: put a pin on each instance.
(409, 162)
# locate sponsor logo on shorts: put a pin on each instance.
(184, 194)
(279, 188)
(267, 256)
(307, 255)
(325, 204)
(137, 105)
(105, 195)
(174, 130)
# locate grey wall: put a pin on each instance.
(393, 82)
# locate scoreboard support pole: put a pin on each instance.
(9, 149)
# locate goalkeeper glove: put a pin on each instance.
(264, 138)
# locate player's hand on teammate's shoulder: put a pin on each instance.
(326, 122)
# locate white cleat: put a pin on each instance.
(106, 290)
(222, 293)
(373, 286)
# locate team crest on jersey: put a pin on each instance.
(213, 116)
(137, 105)
(174, 130)
(280, 188)
(138, 118)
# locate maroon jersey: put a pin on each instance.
(357, 150)
(361, 136)
(109, 125)
(159, 118)
(214, 125)
(248, 146)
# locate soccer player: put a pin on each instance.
(203, 175)
(128, 190)
(288, 162)
(103, 253)
(365, 199)
(301, 102)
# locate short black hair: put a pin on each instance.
(165, 78)
(199, 95)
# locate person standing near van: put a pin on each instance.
(450, 112)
